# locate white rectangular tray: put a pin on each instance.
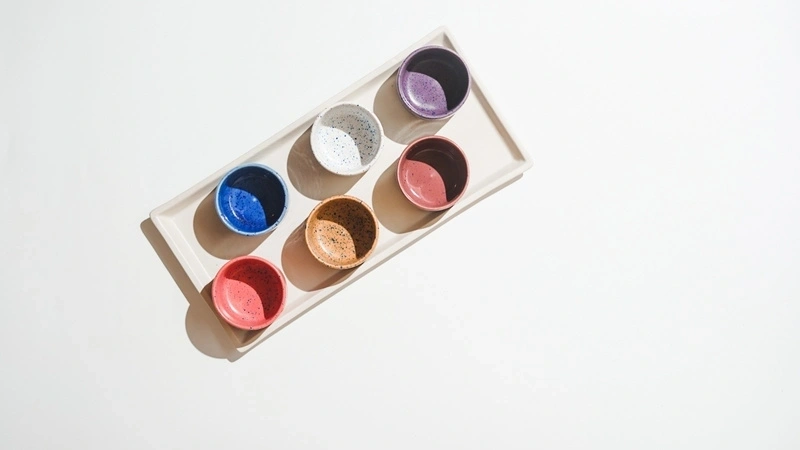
(202, 244)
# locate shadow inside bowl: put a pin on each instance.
(216, 238)
(344, 230)
(344, 128)
(309, 177)
(252, 199)
(250, 296)
(302, 269)
(436, 81)
(394, 210)
(441, 174)
(399, 124)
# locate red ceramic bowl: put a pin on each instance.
(249, 292)
(433, 173)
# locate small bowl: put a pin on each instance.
(346, 139)
(433, 82)
(341, 232)
(249, 292)
(433, 173)
(252, 199)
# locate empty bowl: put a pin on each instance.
(251, 199)
(433, 82)
(433, 173)
(346, 139)
(341, 232)
(249, 292)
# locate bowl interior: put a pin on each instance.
(249, 293)
(342, 232)
(251, 200)
(434, 82)
(433, 173)
(346, 139)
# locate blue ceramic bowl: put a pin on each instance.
(252, 199)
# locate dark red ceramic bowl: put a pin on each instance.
(433, 173)
(249, 292)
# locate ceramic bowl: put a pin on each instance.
(433, 173)
(433, 82)
(249, 292)
(346, 139)
(251, 199)
(341, 232)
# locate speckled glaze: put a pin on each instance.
(341, 232)
(433, 173)
(251, 199)
(433, 82)
(346, 139)
(249, 292)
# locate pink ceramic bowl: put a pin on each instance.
(433, 173)
(249, 292)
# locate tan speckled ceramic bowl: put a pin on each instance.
(341, 232)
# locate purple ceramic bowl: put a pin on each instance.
(433, 82)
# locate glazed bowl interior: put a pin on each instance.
(433, 173)
(346, 139)
(433, 82)
(251, 199)
(341, 232)
(249, 292)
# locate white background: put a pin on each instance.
(638, 288)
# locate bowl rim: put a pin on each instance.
(404, 68)
(404, 156)
(233, 171)
(252, 260)
(315, 211)
(317, 124)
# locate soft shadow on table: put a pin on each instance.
(398, 123)
(393, 209)
(309, 177)
(216, 238)
(202, 326)
(302, 269)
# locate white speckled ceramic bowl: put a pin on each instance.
(346, 139)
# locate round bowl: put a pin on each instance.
(433, 82)
(249, 292)
(252, 199)
(341, 232)
(433, 173)
(346, 139)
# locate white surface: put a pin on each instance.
(189, 225)
(639, 288)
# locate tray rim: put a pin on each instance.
(323, 294)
